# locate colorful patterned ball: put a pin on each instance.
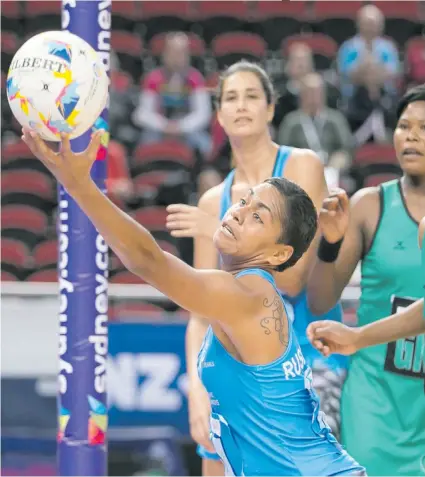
(56, 83)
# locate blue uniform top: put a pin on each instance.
(265, 418)
(301, 311)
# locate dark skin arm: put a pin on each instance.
(212, 293)
(341, 219)
(331, 337)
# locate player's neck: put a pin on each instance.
(415, 184)
(254, 157)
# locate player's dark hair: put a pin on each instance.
(246, 67)
(412, 95)
(298, 221)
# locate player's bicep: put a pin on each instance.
(214, 294)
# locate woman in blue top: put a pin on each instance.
(245, 108)
(266, 418)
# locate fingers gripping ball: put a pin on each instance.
(57, 84)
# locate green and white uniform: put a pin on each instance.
(383, 402)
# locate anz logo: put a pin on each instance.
(148, 382)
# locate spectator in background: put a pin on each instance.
(319, 128)
(368, 53)
(369, 66)
(174, 101)
(298, 64)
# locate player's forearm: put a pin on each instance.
(408, 322)
(323, 291)
(132, 243)
(195, 334)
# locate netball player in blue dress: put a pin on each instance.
(245, 108)
(266, 418)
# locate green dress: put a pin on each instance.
(383, 402)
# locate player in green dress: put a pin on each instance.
(383, 405)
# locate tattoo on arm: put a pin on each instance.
(276, 322)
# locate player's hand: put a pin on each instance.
(189, 221)
(199, 416)
(330, 337)
(334, 216)
(71, 169)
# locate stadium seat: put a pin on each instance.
(324, 48)
(23, 217)
(45, 254)
(231, 47)
(14, 151)
(9, 44)
(47, 275)
(9, 276)
(374, 159)
(11, 18)
(129, 50)
(28, 181)
(125, 15)
(14, 252)
(165, 16)
(42, 16)
(415, 60)
(374, 180)
(172, 154)
(277, 20)
(217, 17)
(375, 154)
(153, 218)
(401, 24)
(147, 183)
(336, 19)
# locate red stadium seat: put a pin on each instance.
(174, 152)
(15, 150)
(29, 181)
(153, 218)
(218, 17)
(11, 18)
(271, 10)
(48, 275)
(374, 154)
(374, 180)
(415, 60)
(129, 50)
(14, 253)
(160, 17)
(46, 253)
(394, 9)
(125, 14)
(9, 44)
(147, 183)
(331, 9)
(239, 43)
(8, 276)
(126, 42)
(318, 42)
(23, 217)
(323, 47)
(34, 9)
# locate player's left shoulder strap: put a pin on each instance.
(282, 157)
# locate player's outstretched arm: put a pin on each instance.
(331, 337)
(211, 293)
